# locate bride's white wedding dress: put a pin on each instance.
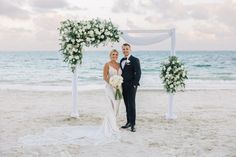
(83, 134)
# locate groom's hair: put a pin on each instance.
(126, 44)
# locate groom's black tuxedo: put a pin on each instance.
(131, 74)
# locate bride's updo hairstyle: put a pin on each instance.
(112, 51)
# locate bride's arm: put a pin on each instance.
(105, 73)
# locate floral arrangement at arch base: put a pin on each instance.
(173, 74)
(74, 35)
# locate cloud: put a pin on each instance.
(132, 25)
(13, 10)
(124, 6)
(218, 19)
(227, 14)
(48, 4)
(199, 12)
(164, 8)
(47, 21)
(198, 24)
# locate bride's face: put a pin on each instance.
(114, 56)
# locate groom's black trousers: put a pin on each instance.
(129, 94)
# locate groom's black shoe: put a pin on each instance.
(133, 128)
(127, 125)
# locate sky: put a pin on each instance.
(31, 25)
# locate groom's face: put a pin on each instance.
(126, 50)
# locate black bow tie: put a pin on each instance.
(123, 59)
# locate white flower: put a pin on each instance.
(96, 31)
(82, 43)
(169, 68)
(107, 33)
(91, 33)
(116, 81)
(127, 61)
(69, 45)
(71, 52)
(74, 50)
(88, 40)
(88, 26)
(70, 57)
(101, 26)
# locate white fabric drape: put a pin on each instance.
(146, 40)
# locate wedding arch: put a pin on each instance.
(77, 34)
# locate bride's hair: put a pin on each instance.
(113, 50)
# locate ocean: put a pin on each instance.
(47, 71)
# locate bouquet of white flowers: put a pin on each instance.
(116, 81)
(173, 74)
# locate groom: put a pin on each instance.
(131, 73)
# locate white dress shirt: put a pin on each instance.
(124, 61)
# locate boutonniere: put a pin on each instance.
(127, 62)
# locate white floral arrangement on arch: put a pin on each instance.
(74, 35)
(173, 74)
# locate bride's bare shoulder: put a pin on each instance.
(106, 65)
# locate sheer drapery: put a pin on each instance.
(146, 40)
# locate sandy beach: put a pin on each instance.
(205, 127)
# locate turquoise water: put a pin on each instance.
(47, 70)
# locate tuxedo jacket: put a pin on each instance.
(131, 72)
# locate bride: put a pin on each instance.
(86, 135)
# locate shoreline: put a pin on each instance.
(101, 90)
(101, 87)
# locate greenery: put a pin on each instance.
(173, 74)
(75, 35)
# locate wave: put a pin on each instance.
(202, 65)
(51, 59)
(234, 59)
